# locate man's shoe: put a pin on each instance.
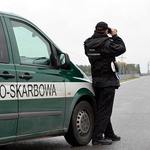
(113, 137)
(102, 142)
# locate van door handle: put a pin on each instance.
(7, 75)
(26, 76)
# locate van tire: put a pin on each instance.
(81, 126)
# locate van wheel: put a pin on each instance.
(81, 125)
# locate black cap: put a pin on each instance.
(101, 26)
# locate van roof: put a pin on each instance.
(10, 14)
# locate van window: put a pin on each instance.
(3, 46)
(33, 48)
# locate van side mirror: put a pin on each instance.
(64, 61)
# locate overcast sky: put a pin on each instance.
(69, 22)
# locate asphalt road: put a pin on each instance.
(131, 120)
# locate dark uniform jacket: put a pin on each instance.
(101, 51)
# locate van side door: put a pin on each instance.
(8, 97)
(41, 87)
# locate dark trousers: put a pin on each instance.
(104, 103)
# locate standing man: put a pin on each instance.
(101, 50)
